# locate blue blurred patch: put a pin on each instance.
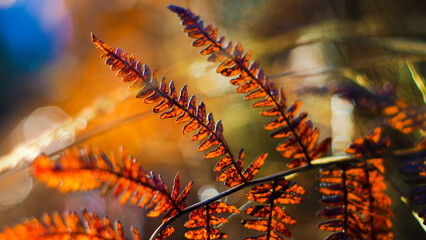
(23, 39)
(32, 34)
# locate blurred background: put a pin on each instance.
(328, 53)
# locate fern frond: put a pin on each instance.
(300, 137)
(185, 110)
(354, 200)
(370, 144)
(85, 171)
(205, 220)
(165, 233)
(230, 176)
(269, 217)
(353, 194)
(405, 118)
(68, 226)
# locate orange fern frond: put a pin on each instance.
(205, 220)
(269, 217)
(230, 176)
(165, 233)
(371, 144)
(353, 194)
(300, 137)
(185, 110)
(84, 171)
(404, 117)
(68, 226)
(354, 200)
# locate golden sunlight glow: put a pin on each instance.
(27, 151)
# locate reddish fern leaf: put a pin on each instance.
(68, 226)
(371, 144)
(353, 197)
(353, 194)
(185, 110)
(165, 233)
(206, 222)
(229, 175)
(300, 137)
(269, 217)
(84, 171)
(404, 117)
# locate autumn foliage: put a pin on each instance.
(356, 205)
(68, 226)
(353, 194)
(300, 137)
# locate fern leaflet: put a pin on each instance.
(206, 222)
(405, 118)
(269, 217)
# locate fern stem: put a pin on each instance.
(345, 206)
(318, 163)
(369, 186)
(370, 202)
(208, 221)
(221, 140)
(231, 191)
(271, 205)
(240, 209)
(135, 180)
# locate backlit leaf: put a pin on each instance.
(271, 194)
(68, 226)
(250, 79)
(171, 105)
(84, 170)
(353, 194)
(205, 220)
